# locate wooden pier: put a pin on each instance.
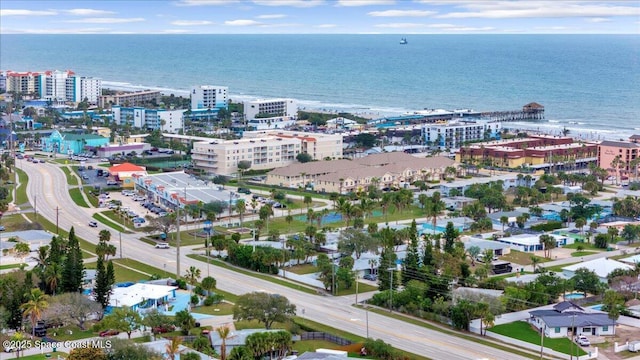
(531, 111)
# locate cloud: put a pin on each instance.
(191, 22)
(539, 9)
(174, 31)
(293, 3)
(401, 25)
(106, 20)
(56, 31)
(598, 20)
(205, 2)
(441, 26)
(271, 16)
(241, 22)
(365, 2)
(25, 12)
(402, 13)
(326, 26)
(88, 12)
(471, 29)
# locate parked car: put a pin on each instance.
(2, 228)
(93, 223)
(109, 333)
(372, 277)
(244, 191)
(582, 340)
(163, 329)
(112, 182)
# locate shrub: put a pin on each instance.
(182, 284)
(548, 226)
(195, 299)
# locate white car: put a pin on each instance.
(582, 340)
(162, 246)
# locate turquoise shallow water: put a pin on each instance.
(587, 83)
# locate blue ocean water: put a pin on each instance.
(587, 83)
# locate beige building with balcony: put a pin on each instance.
(386, 170)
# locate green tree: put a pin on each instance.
(36, 304)
(208, 284)
(412, 260)
(122, 319)
(73, 266)
(586, 281)
(304, 157)
(264, 307)
(172, 349)
(614, 304)
(192, 275)
(185, 321)
(102, 287)
(450, 236)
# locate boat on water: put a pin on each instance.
(403, 41)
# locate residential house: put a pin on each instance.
(567, 317)
(601, 266)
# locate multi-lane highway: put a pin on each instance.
(48, 183)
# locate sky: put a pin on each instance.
(319, 17)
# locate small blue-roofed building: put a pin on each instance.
(67, 143)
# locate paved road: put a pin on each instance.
(48, 183)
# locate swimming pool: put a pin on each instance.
(573, 296)
(426, 227)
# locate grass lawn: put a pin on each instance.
(523, 331)
(223, 308)
(361, 288)
(585, 246)
(521, 258)
(13, 222)
(312, 345)
(10, 266)
(143, 267)
(54, 355)
(583, 253)
(103, 219)
(114, 217)
(77, 198)
(21, 191)
(62, 334)
(71, 180)
(187, 237)
(271, 278)
(92, 199)
(303, 269)
(122, 274)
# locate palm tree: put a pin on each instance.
(504, 220)
(241, 208)
(534, 262)
(289, 219)
(192, 275)
(104, 235)
(173, 348)
(223, 332)
(52, 276)
(34, 307)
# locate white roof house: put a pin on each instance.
(602, 268)
(137, 295)
(531, 242)
(160, 346)
(635, 259)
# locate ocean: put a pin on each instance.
(589, 84)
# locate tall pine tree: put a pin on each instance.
(55, 251)
(111, 275)
(73, 267)
(102, 288)
(412, 261)
(450, 236)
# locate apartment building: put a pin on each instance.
(625, 151)
(221, 157)
(266, 108)
(452, 135)
(539, 152)
(209, 97)
(130, 98)
(151, 119)
(319, 145)
(55, 85)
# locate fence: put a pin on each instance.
(324, 336)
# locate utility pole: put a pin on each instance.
(366, 309)
(573, 319)
(357, 290)
(57, 217)
(120, 232)
(542, 340)
(35, 206)
(390, 289)
(178, 242)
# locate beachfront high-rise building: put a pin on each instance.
(209, 97)
(135, 98)
(266, 108)
(55, 85)
(150, 119)
(451, 135)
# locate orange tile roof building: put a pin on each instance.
(126, 172)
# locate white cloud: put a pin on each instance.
(191, 22)
(471, 29)
(271, 16)
(365, 2)
(598, 20)
(25, 12)
(293, 3)
(106, 20)
(88, 12)
(175, 31)
(401, 25)
(402, 13)
(539, 9)
(241, 22)
(205, 2)
(441, 26)
(326, 26)
(55, 31)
